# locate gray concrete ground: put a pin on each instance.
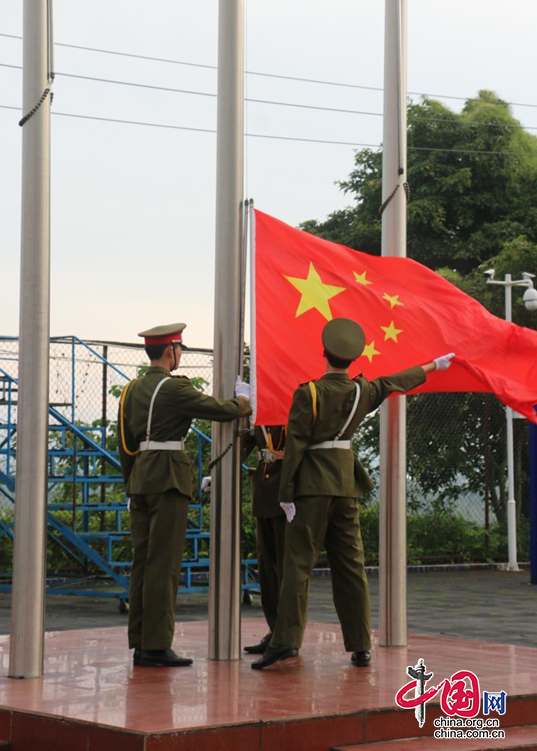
(495, 606)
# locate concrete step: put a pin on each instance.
(523, 738)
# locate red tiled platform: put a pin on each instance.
(92, 699)
(515, 738)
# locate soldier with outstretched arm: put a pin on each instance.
(155, 414)
(320, 484)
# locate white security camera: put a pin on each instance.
(490, 274)
(530, 298)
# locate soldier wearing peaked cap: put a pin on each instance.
(155, 414)
(320, 483)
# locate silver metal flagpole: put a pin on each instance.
(508, 284)
(392, 554)
(253, 344)
(29, 555)
(245, 210)
(224, 582)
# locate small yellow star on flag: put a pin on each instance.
(390, 332)
(360, 278)
(392, 299)
(315, 294)
(370, 351)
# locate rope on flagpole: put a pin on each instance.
(406, 188)
(400, 119)
(240, 364)
(50, 64)
(32, 112)
(220, 456)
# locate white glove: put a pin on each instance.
(242, 388)
(128, 504)
(290, 510)
(206, 484)
(444, 362)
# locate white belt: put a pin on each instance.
(335, 444)
(162, 445)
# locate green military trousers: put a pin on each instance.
(158, 529)
(335, 523)
(270, 552)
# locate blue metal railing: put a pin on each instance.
(84, 468)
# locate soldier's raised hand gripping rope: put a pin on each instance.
(242, 389)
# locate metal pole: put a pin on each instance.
(533, 503)
(29, 568)
(508, 283)
(392, 578)
(224, 580)
(104, 420)
(511, 503)
(245, 216)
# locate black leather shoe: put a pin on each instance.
(361, 659)
(161, 658)
(274, 654)
(136, 656)
(259, 649)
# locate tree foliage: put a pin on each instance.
(473, 206)
(473, 182)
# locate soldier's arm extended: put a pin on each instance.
(298, 439)
(382, 387)
(406, 380)
(193, 403)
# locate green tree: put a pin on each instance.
(466, 202)
(473, 205)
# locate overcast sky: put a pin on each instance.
(133, 206)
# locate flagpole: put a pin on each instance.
(224, 576)
(392, 550)
(253, 340)
(29, 554)
(507, 284)
(245, 209)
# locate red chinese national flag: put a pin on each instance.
(410, 315)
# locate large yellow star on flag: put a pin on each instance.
(392, 299)
(360, 278)
(315, 294)
(390, 332)
(370, 351)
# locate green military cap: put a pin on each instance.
(164, 334)
(343, 338)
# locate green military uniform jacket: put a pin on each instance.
(176, 404)
(265, 479)
(333, 472)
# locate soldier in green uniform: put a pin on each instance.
(155, 414)
(270, 518)
(321, 480)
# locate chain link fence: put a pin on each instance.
(88, 520)
(456, 458)
(456, 479)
